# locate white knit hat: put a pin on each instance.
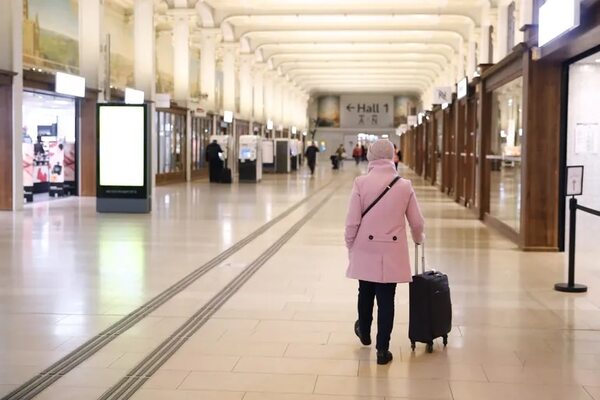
(382, 149)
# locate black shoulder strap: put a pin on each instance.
(387, 189)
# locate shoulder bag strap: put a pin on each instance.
(387, 189)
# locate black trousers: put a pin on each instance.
(311, 165)
(215, 169)
(385, 294)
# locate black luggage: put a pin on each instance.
(226, 176)
(430, 306)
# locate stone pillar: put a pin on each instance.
(277, 101)
(269, 99)
(229, 57)
(246, 96)
(145, 67)
(181, 54)
(472, 53)
(258, 80)
(208, 63)
(90, 22)
(500, 49)
(11, 119)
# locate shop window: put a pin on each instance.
(171, 142)
(505, 153)
(201, 132)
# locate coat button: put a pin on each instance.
(394, 238)
(370, 237)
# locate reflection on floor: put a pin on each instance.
(505, 195)
(287, 333)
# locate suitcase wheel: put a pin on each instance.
(413, 345)
(430, 347)
(445, 340)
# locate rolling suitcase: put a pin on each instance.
(226, 176)
(430, 306)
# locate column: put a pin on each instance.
(484, 41)
(11, 105)
(472, 52)
(90, 63)
(144, 67)
(181, 54)
(277, 102)
(269, 98)
(500, 50)
(229, 57)
(246, 97)
(258, 80)
(208, 63)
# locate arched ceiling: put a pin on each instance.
(346, 45)
(351, 45)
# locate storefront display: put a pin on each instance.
(201, 132)
(171, 128)
(49, 127)
(505, 153)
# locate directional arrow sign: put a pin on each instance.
(350, 107)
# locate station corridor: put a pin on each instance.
(236, 309)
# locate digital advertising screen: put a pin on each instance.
(122, 160)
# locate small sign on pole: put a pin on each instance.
(575, 180)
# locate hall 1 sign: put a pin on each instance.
(365, 111)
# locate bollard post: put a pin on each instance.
(571, 286)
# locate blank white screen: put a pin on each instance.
(121, 146)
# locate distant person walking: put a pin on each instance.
(357, 154)
(311, 156)
(364, 152)
(341, 154)
(376, 240)
(215, 163)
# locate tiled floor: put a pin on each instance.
(287, 333)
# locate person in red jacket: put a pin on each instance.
(357, 154)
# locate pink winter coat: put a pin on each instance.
(378, 247)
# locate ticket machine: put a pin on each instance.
(249, 158)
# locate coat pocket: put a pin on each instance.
(394, 237)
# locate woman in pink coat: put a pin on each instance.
(377, 243)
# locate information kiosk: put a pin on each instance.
(123, 159)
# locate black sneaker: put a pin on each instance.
(384, 357)
(366, 341)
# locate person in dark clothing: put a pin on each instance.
(38, 148)
(364, 152)
(215, 164)
(311, 156)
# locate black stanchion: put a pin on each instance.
(571, 286)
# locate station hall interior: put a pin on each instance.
(176, 178)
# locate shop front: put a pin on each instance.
(202, 129)
(6, 140)
(171, 145)
(577, 54)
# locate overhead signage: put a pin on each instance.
(575, 180)
(134, 96)
(462, 88)
(557, 17)
(412, 120)
(71, 85)
(442, 94)
(366, 111)
(228, 116)
(163, 100)
(270, 124)
(294, 130)
(420, 118)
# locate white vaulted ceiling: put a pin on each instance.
(351, 45)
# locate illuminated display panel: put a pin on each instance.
(121, 135)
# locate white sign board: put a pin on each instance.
(268, 152)
(557, 17)
(462, 88)
(412, 120)
(587, 139)
(442, 94)
(163, 100)
(71, 85)
(575, 180)
(134, 96)
(366, 111)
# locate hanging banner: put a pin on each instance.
(442, 94)
(366, 111)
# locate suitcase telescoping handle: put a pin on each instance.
(417, 245)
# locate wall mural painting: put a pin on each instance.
(50, 35)
(165, 82)
(329, 112)
(195, 73)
